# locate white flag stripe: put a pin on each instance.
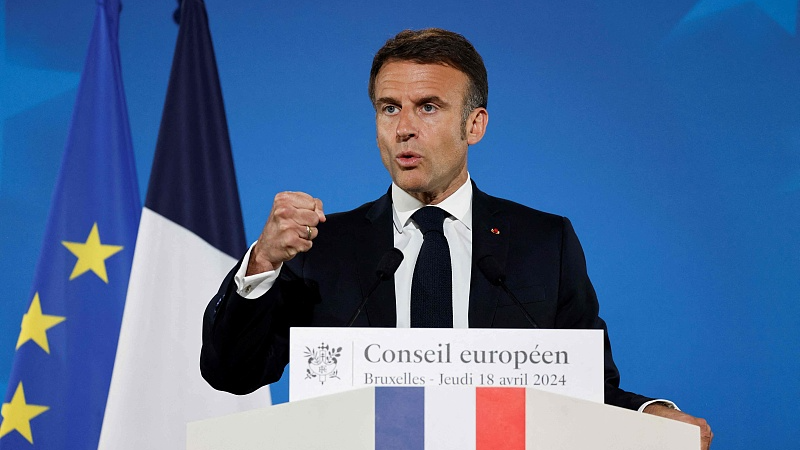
(450, 418)
(156, 387)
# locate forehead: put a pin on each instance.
(420, 80)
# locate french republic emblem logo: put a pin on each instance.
(322, 362)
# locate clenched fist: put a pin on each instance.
(290, 229)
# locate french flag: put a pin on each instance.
(191, 233)
(482, 418)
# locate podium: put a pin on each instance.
(417, 418)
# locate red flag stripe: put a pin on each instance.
(500, 418)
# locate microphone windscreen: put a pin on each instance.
(389, 263)
(491, 270)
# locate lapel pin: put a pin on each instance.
(495, 231)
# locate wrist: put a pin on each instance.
(654, 407)
(258, 262)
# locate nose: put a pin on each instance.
(406, 125)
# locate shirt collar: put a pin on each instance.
(458, 205)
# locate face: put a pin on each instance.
(420, 132)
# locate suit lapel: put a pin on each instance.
(375, 238)
(490, 236)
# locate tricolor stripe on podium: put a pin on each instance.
(482, 418)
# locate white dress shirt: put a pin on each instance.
(408, 239)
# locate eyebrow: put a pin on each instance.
(383, 100)
(430, 99)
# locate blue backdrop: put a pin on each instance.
(668, 132)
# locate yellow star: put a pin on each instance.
(35, 325)
(91, 255)
(17, 415)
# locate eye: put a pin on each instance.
(391, 109)
(428, 108)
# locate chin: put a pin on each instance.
(410, 183)
(414, 188)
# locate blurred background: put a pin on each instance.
(668, 132)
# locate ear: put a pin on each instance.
(476, 125)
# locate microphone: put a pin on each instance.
(386, 268)
(494, 273)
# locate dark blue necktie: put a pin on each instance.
(432, 284)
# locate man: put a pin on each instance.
(429, 89)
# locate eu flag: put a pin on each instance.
(68, 336)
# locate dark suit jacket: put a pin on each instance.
(246, 342)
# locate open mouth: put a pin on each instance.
(408, 159)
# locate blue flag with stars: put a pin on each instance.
(68, 337)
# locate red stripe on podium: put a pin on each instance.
(500, 418)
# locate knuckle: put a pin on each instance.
(279, 210)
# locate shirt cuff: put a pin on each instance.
(256, 285)
(667, 403)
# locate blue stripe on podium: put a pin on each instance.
(399, 418)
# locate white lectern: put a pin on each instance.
(409, 418)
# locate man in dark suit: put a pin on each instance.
(429, 89)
